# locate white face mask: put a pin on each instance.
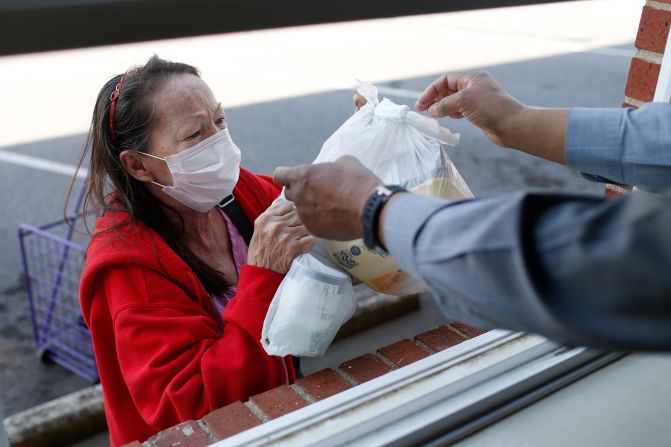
(203, 174)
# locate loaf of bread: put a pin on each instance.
(377, 269)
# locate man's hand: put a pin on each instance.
(329, 197)
(476, 97)
(504, 120)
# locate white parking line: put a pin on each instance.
(41, 164)
(55, 167)
(399, 92)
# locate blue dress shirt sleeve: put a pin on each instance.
(626, 146)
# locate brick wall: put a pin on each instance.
(653, 30)
(650, 42)
(238, 416)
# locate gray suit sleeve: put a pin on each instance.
(579, 270)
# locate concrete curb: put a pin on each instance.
(59, 422)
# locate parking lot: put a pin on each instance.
(285, 91)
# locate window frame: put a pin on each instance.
(437, 400)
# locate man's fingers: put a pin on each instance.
(284, 176)
(445, 87)
(439, 89)
(348, 160)
(448, 106)
(289, 195)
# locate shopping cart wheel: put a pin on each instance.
(43, 356)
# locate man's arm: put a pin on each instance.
(630, 146)
(579, 270)
(619, 145)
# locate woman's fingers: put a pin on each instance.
(279, 236)
(280, 209)
(292, 219)
(359, 101)
(306, 243)
(296, 232)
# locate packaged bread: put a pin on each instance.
(377, 269)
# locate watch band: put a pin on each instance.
(371, 213)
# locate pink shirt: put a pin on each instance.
(239, 248)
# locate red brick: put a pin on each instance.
(278, 401)
(642, 80)
(653, 30)
(230, 420)
(364, 368)
(471, 331)
(440, 338)
(614, 191)
(323, 384)
(186, 434)
(404, 352)
(133, 444)
(628, 106)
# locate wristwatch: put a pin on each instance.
(371, 214)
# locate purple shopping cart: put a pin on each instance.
(53, 257)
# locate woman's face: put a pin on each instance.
(187, 114)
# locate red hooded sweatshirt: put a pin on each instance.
(161, 354)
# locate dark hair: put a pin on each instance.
(110, 187)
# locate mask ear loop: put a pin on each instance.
(158, 184)
(158, 158)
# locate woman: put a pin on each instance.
(173, 296)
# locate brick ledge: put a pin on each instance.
(238, 417)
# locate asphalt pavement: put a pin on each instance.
(287, 132)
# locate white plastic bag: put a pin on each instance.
(401, 147)
(397, 144)
(309, 307)
(316, 297)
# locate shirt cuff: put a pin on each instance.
(594, 142)
(599, 179)
(403, 221)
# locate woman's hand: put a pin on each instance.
(359, 101)
(279, 236)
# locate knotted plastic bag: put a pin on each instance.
(316, 297)
(401, 147)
